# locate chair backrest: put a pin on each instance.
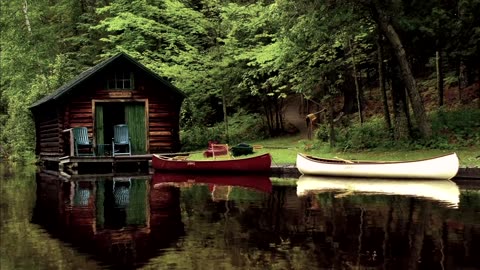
(120, 134)
(81, 135)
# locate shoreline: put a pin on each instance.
(289, 170)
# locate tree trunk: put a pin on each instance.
(401, 127)
(349, 96)
(331, 123)
(25, 13)
(409, 81)
(279, 111)
(381, 79)
(439, 77)
(462, 79)
(225, 117)
(268, 115)
(357, 87)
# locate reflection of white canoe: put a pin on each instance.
(441, 190)
(443, 167)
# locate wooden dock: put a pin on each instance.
(103, 164)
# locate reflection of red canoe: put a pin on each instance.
(257, 164)
(258, 182)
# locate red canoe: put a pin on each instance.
(216, 150)
(256, 164)
(258, 182)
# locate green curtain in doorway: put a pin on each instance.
(99, 128)
(135, 118)
(99, 203)
(137, 206)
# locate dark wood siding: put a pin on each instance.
(48, 130)
(75, 108)
(163, 122)
(163, 127)
(163, 111)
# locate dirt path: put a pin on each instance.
(293, 117)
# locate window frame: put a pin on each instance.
(118, 79)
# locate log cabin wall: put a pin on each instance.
(162, 107)
(73, 105)
(164, 118)
(78, 109)
(163, 130)
(48, 128)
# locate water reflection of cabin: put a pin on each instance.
(119, 90)
(120, 221)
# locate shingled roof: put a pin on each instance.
(93, 70)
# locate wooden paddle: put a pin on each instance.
(344, 160)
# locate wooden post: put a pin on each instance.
(70, 135)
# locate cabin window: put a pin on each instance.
(120, 80)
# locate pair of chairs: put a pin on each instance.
(121, 144)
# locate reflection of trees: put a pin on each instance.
(26, 245)
(326, 231)
(227, 234)
(397, 233)
(416, 232)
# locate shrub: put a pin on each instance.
(461, 128)
(322, 133)
(241, 127)
(197, 137)
(450, 129)
(246, 127)
(371, 134)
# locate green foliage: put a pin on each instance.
(197, 137)
(241, 128)
(36, 53)
(322, 132)
(248, 56)
(460, 128)
(246, 127)
(371, 134)
(20, 122)
(452, 129)
(164, 36)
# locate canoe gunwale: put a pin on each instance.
(366, 162)
(255, 164)
(165, 158)
(441, 167)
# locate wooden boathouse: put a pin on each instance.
(117, 111)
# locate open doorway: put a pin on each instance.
(109, 114)
(113, 114)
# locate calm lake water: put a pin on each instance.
(193, 222)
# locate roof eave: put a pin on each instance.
(94, 70)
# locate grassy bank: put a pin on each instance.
(284, 150)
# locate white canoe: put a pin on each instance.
(442, 167)
(440, 190)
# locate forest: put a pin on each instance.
(240, 61)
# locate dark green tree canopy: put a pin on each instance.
(239, 57)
